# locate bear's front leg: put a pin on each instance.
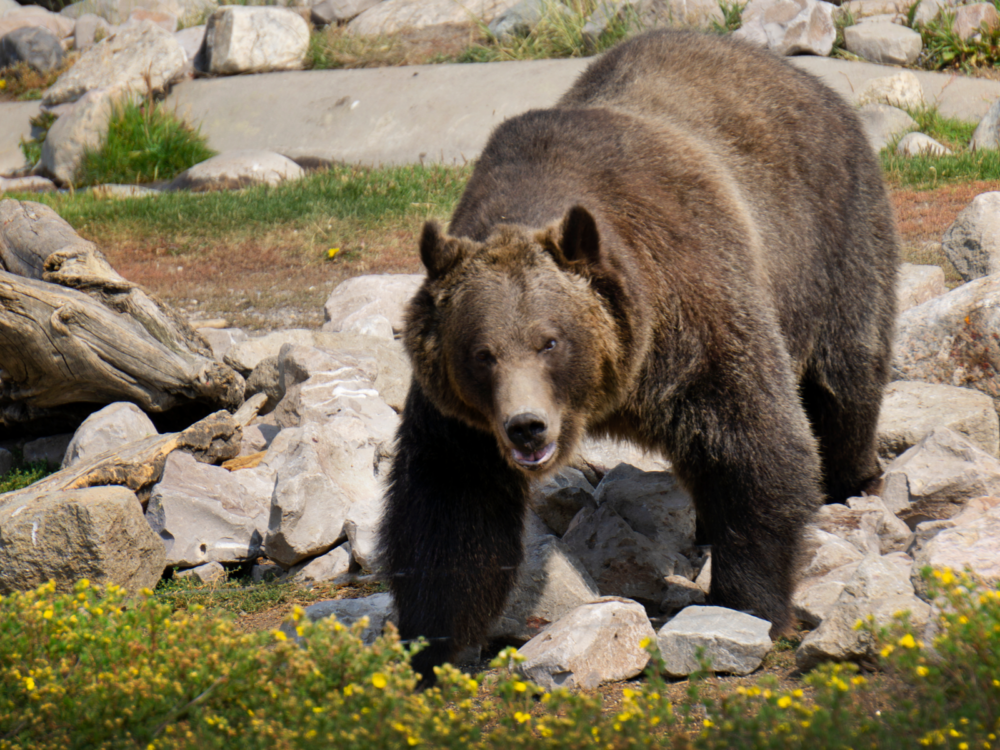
(450, 537)
(750, 463)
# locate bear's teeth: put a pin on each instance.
(536, 458)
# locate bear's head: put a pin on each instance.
(516, 335)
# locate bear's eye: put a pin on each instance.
(483, 356)
(549, 345)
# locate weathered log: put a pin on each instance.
(72, 330)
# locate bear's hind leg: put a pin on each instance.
(450, 537)
(844, 419)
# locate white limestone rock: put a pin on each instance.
(882, 123)
(972, 242)
(235, 170)
(886, 43)
(245, 39)
(790, 27)
(918, 144)
(918, 283)
(360, 297)
(594, 644)
(902, 90)
(733, 642)
(110, 428)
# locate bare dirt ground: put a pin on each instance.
(282, 281)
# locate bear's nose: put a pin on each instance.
(527, 430)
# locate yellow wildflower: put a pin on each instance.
(784, 701)
(922, 671)
(332, 253)
(520, 717)
(379, 681)
(907, 641)
(279, 635)
(520, 687)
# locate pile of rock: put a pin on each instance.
(296, 478)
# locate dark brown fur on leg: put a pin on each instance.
(451, 535)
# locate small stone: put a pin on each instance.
(339, 11)
(559, 498)
(377, 608)
(594, 644)
(362, 296)
(815, 597)
(235, 170)
(986, 135)
(327, 567)
(30, 184)
(108, 429)
(733, 642)
(208, 573)
(882, 123)
(918, 144)
(37, 47)
(266, 573)
(902, 90)
(887, 43)
(47, 450)
(681, 593)
(166, 21)
(972, 19)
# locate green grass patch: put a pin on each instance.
(144, 143)
(22, 473)
(944, 48)
(365, 196)
(732, 17)
(557, 34)
(90, 669)
(927, 172)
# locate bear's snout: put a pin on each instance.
(527, 431)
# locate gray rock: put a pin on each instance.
(880, 587)
(361, 528)
(137, 58)
(592, 645)
(681, 593)
(815, 597)
(934, 479)
(972, 242)
(911, 410)
(601, 455)
(339, 11)
(902, 90)
(887, 43)
(47, 450)
(363, 296)
(824, 552)
(917, 283)
(733, 642)
(266, 378)
(391, 16)
(559, 498)
(89, 30)
(188, 12)
(221, 340)
(918, 144)
(949, 339)
(621, 561)
(205, 513)
(987, 134)
(166, 21)
(327, 567)
(207, 573)
(267, 573)
(33, 45)
(378, 608)
(929, 10)
(6, 461)
(790, 27)
(972, 542)
(192, 41)
(866, 523)
(243, 39)
(81, 128)
(704, 578)
(652, 504)
(238, 169)
(970, 19)
(29, 184)
(519, 20)
(551, 583)
(97, 533)
(257, 438)
(882, 123)
(110, 428)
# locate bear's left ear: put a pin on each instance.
(437, 251)
(575, 240)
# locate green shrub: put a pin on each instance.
(91, 669)
(732, 17)
(22, 473)
(944, 48)
(144, 143)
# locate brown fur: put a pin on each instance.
(694, 251)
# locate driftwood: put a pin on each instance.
(73, 331)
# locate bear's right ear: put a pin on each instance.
(574, 241)
(437, 251)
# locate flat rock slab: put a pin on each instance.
(235, 170)
(594, 644)
(733, 642)
(97, 533)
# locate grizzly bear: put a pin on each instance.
(693, 250)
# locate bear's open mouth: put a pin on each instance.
(536, 459)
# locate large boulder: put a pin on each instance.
(363, 296)
(244, 39)
(108, 429)
(79, 129)
(137, 58)
(972, 242)
(731, 641)
(883, 42)
(33, 45)
(97, 533)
